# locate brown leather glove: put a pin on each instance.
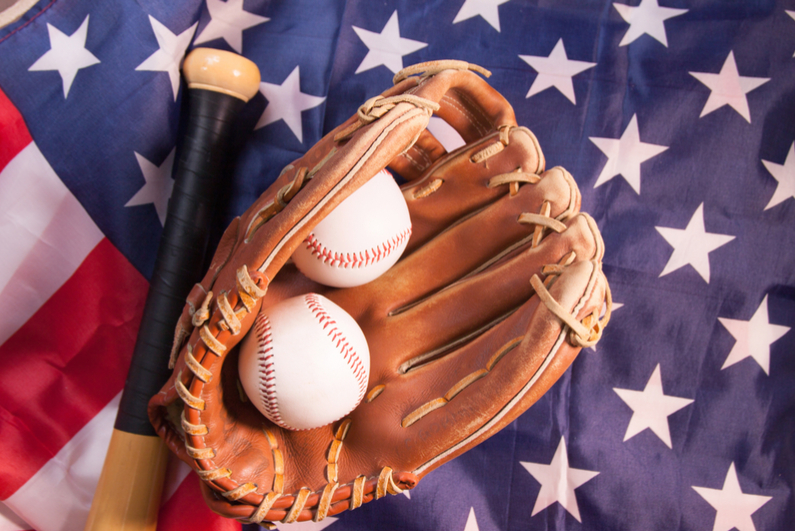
(499, 289)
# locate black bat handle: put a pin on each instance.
(220, 83)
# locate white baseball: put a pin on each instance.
(305, 363)
(360, 239)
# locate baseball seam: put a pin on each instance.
(267, 377)
(339, 340)
(355, 259)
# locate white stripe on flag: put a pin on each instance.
(69, 479)
(46, 234)
(176, 472)
(9, 521)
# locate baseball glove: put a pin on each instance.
(498, 290)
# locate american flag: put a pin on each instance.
(676, 118)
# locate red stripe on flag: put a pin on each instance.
(13, 131)
(186, 510)
(67, 362)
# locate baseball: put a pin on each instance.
(305, 363)
(360, 239)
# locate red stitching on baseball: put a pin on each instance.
(347, 351)
(267, 380)
(355, 260)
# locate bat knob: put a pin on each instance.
(221, 71)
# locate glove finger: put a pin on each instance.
(477, 241)
(465, 309)
(458, 184)
(440, 409)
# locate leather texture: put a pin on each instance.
(461, 341)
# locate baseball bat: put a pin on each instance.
(219, 84)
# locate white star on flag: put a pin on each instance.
(625, 155)
(558, 482)
(555, 70)
(651, 408)
(445, 134)
(169, 57)
(485, 8)
(734, 508)
(692, 245)
(785, 175)
(616, 306)
(472, 522)
(227, 21)
(286, 102)
(158, 186)
(753, 338)
(647, 18)
(728, 88)
(386, 48)
(67, 54)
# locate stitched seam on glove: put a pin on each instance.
(459, 386)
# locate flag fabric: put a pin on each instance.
(676, 118)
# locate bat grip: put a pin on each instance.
(180, 256)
